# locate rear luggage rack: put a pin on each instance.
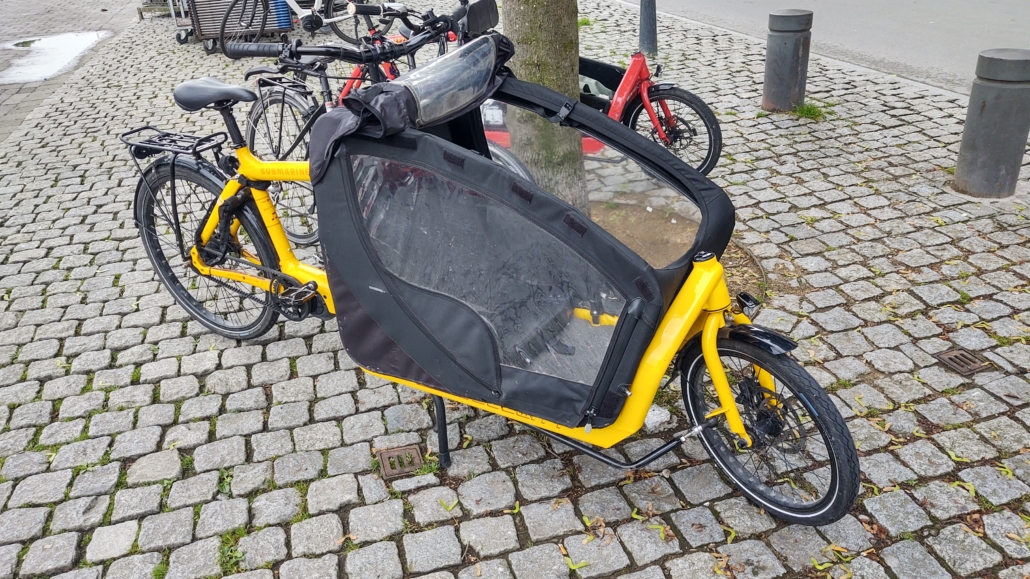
(147, 141)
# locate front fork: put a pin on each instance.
(645, 99)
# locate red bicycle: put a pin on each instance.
(669, 115)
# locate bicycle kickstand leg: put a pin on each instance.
(441, 432)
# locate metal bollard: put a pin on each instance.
(649, 27)
(997, 124)
(786, 59)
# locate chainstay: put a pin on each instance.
(277, 276)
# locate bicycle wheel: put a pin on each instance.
(352, 28)
(802, 465)
(233, 309)
(274, 124)
(509, 161)
(243, 21)
(690, 126)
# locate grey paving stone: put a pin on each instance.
(700, 484)
(376, 522)
(99, 480)
(925, 458)
(297, 390)
(111, 422)
(415, 482)
(376, 561)
(334, 408)
(200, 407)
(698, 526)
(248, 478)
(239, 424)
(592, 472)
(87, 573)
(186, 436)
(79, 514)
(24, 464)
(32, 414)
(332, 494)
(326, 567)
(156, 467)
(897, 512)
(848, 533)
(992, 485)
(336, 383)
(884, 470)
(489, 492)
(431, 550)
(226, 381)
(978, 403)
(490, 536)
(155, 415)
(542, 480)
(128, 396)
(193, 491)
(40, 489)
(755, 558)
(319, 436)
(263, 547)
(606, 503)
(220, 517)
(252, 399)
(944, 501)
(50, 555)
(15, 441)
(539, 562)
(639, 448)
(350, 459)
(743, 517)
(297, 467)
(80, 453)
(9, 560)
(362, 427)
(166, 530)
(136, 442)
(488, 428)
(799, 546)
(112, 541)
(275, 507)
(654, 494)
(604, 556)
(1006, 530)
(220, 454)
(175, 389)
(494, 568)
(693, 566)
(516, 450)
(962, 551)
(376, 396)
(195, 561)
(135, 503)
(317, 535)
(1004, 433)
(18, 525)
(942, 412)
(645, 544)
(59, 432)
(134, 567)
(469, 462)
(268, 445)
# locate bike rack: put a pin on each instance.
(596, 454)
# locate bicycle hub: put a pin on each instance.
(311, 23)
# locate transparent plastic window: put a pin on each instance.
(451, 82)
(534, 292)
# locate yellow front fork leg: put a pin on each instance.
(727, 404)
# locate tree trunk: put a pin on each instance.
(546, 37)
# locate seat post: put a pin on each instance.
(230, 125)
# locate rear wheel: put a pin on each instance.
(244, 21)
(693, 132)
(353, 28)
(802, 466)
(275, 123)
(233, 309)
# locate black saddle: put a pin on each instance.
(194, 95)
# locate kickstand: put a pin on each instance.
(441, 432)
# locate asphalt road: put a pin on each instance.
(931, 41)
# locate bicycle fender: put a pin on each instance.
(769, 340)
(202, 166)
(663, 86)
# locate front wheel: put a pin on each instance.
(693, 132)
(243, 21)
(233, 309)
(802, 465)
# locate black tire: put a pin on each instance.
(696, 137)
(243, 21)
(182, 36)
(210, 46)
(509, 161)
(294, 200)
(352, 29)
(197, 184)
(819, 491)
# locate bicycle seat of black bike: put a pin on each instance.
(194, 95)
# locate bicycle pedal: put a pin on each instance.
(298, 294)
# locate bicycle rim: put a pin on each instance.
(244, 21)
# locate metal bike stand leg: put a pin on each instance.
(441, 432)
(604, 458)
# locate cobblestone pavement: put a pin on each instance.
(135, 444)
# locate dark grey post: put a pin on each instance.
(997, 124)
(648, 27)
(786, 59)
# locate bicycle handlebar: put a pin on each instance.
(256, 49)
(374, 54)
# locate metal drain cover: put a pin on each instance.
(962, 361)
(400, 461)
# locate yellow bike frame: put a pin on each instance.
(701, 307)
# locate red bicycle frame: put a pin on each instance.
(637, 82)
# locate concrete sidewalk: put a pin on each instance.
(136, 444)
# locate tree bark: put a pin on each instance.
(546, 37)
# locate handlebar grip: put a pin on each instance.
(355, 9)
(256, 49)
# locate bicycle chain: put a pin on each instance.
(277, 276)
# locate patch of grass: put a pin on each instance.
(950, 170)
(161, 570)
(229, 556)
(224, 481)
(964, 297)
(809, 111)
(429, 467)
(583, 22)
(1002, 340)
(761, 115)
